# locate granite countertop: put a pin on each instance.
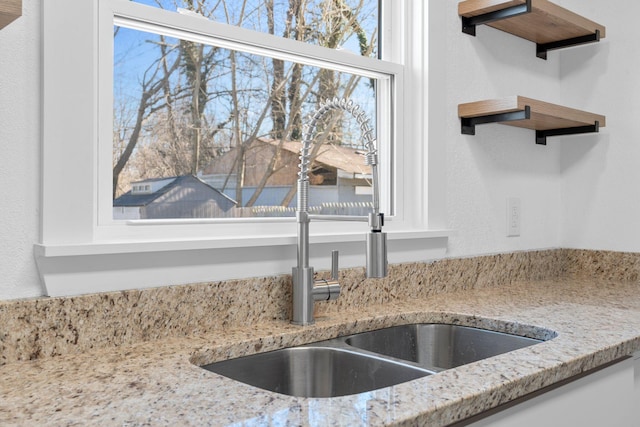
(157, 383)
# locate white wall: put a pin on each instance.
(578, 192)
(573, 193)
(499, 161)
(20, 153)
(601, 175)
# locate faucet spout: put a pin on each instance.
(306, 290)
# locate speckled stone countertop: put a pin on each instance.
(157, 383)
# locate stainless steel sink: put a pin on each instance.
(438, 346)
(369, 360)
(313, 371)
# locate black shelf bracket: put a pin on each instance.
(469, 123)
(469, 24)
(541, 135)
(541, 49)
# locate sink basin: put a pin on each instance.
(367, 361)
(438, 346)
(316, 371)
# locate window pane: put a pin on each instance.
(348, 24)
(205, 132)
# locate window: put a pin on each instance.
(88, 104)
(232, 114)
(333, 24)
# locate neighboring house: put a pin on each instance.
(337, 175)
(177, 197)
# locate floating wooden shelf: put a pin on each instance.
(545, 118)
(540, 21)
(10, 10)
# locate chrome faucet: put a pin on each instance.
(306, 290)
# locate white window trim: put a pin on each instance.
(136, 16)
(81, 251)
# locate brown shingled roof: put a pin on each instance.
(344, 158)
(260, 152)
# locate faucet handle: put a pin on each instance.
(325, 290)
(334, 265)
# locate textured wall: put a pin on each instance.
(20, 152)
(601, 206)
(499, 161)
(575, 189)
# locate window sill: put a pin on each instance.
(49, 251)
(73, 269)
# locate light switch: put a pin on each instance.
(513, 216)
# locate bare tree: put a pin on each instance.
(197, 102)
(155, 77)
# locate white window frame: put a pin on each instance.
(139, 17)
(82, 250)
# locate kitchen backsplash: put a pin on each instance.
(46, 327)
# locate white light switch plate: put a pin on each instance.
(514, 212)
